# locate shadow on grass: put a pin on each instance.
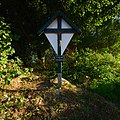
(111, 91)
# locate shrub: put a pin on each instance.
(9, 68)
(100, 70)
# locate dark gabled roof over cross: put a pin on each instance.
(59, 14)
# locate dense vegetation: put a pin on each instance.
(92, 59)
(9, 68)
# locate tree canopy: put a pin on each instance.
(26, 17)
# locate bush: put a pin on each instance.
(9, 68)
(98, 70)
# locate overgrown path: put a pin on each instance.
(34, 98)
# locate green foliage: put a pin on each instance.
(93, 13)
(95, 69)
(87, 15)
(89, 63)
(5, 42)
(108, 83)
(109, 88)
(9, 68)
(47, 65)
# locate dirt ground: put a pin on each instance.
(34, 98)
